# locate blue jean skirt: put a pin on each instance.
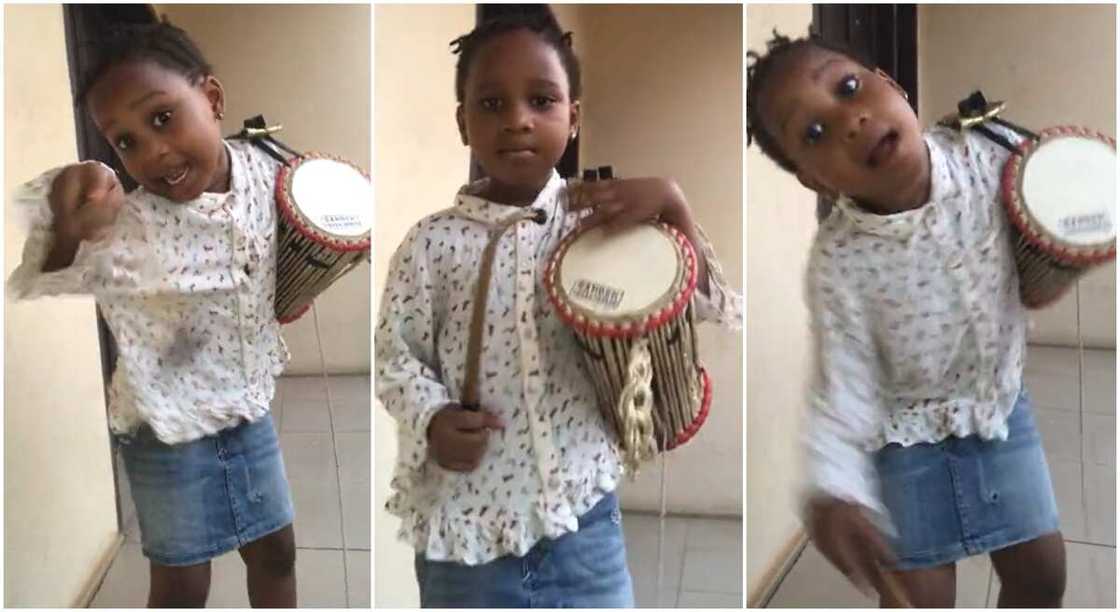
(967, 496)
(198, 500)
(583, 569)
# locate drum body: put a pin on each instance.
(1060, 195)
(326, 213)
(628, 299)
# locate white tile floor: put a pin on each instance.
(702, 561)
(1080, 443)
(326, 577)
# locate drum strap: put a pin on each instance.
(469, 396)
(974, 110)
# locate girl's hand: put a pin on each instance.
(85, 199)
(620, 203)
(457, 438)
(850, 542)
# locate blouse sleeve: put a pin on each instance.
(845, 412)
(721, 305)
(119, 263)
(409, 381)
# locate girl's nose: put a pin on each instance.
(518, 118)
(856, 122)
(159, 150)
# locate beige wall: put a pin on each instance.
(663, 97)
(780, 226)
(1053, 65)
(419, 165)
(59, 514)
(307, 67)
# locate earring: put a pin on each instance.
(573, 135)
(220, 115)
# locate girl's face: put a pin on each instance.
(516, 115)
(847, 129)
(163, 127)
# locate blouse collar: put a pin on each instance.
(470, 204)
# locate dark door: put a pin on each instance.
(85, 25)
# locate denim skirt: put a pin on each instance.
(583, 569)
(967, 496)
(198, 500)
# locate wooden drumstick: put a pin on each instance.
(892, 588)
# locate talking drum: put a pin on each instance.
(628, 299)
(326, 211)
(1059, 191)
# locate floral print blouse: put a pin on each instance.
(187, 290)
(556, 457)
(919, 330)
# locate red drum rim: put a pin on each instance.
(1026, 224)
(576, 318)
(705, 407)
(296, 219)
(295, 315)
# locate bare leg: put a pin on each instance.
(1032, 574)
(270, 563)
(179, 587)
(934, 587)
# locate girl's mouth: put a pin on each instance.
(522, 153)
(176, 176)
(884, 150)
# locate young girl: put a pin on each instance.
(513, 505)
(183, 269)
(919, 426)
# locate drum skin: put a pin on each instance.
(1048, 263)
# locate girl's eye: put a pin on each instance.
(814, 132)
(123, 143)
(490, 104)
(849, 85)
(542, 101)
(160, 119)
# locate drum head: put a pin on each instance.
(329, 200)
(631, 281)
(1066, 192)
(629, 272)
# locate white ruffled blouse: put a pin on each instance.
(556, 457)
(919, 329)
(187, 290)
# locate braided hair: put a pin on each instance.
(759, 69)
(160, 42)
(517, 17)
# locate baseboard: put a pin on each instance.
(100, 570)
(779, 567)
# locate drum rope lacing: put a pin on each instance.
(635, 405)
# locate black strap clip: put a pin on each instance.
(259, 134)
(975, 110)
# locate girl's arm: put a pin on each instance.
(409, 381)
(845, 412)
(715, 301)
(82, 238)
(841, 506)
(55, 259)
